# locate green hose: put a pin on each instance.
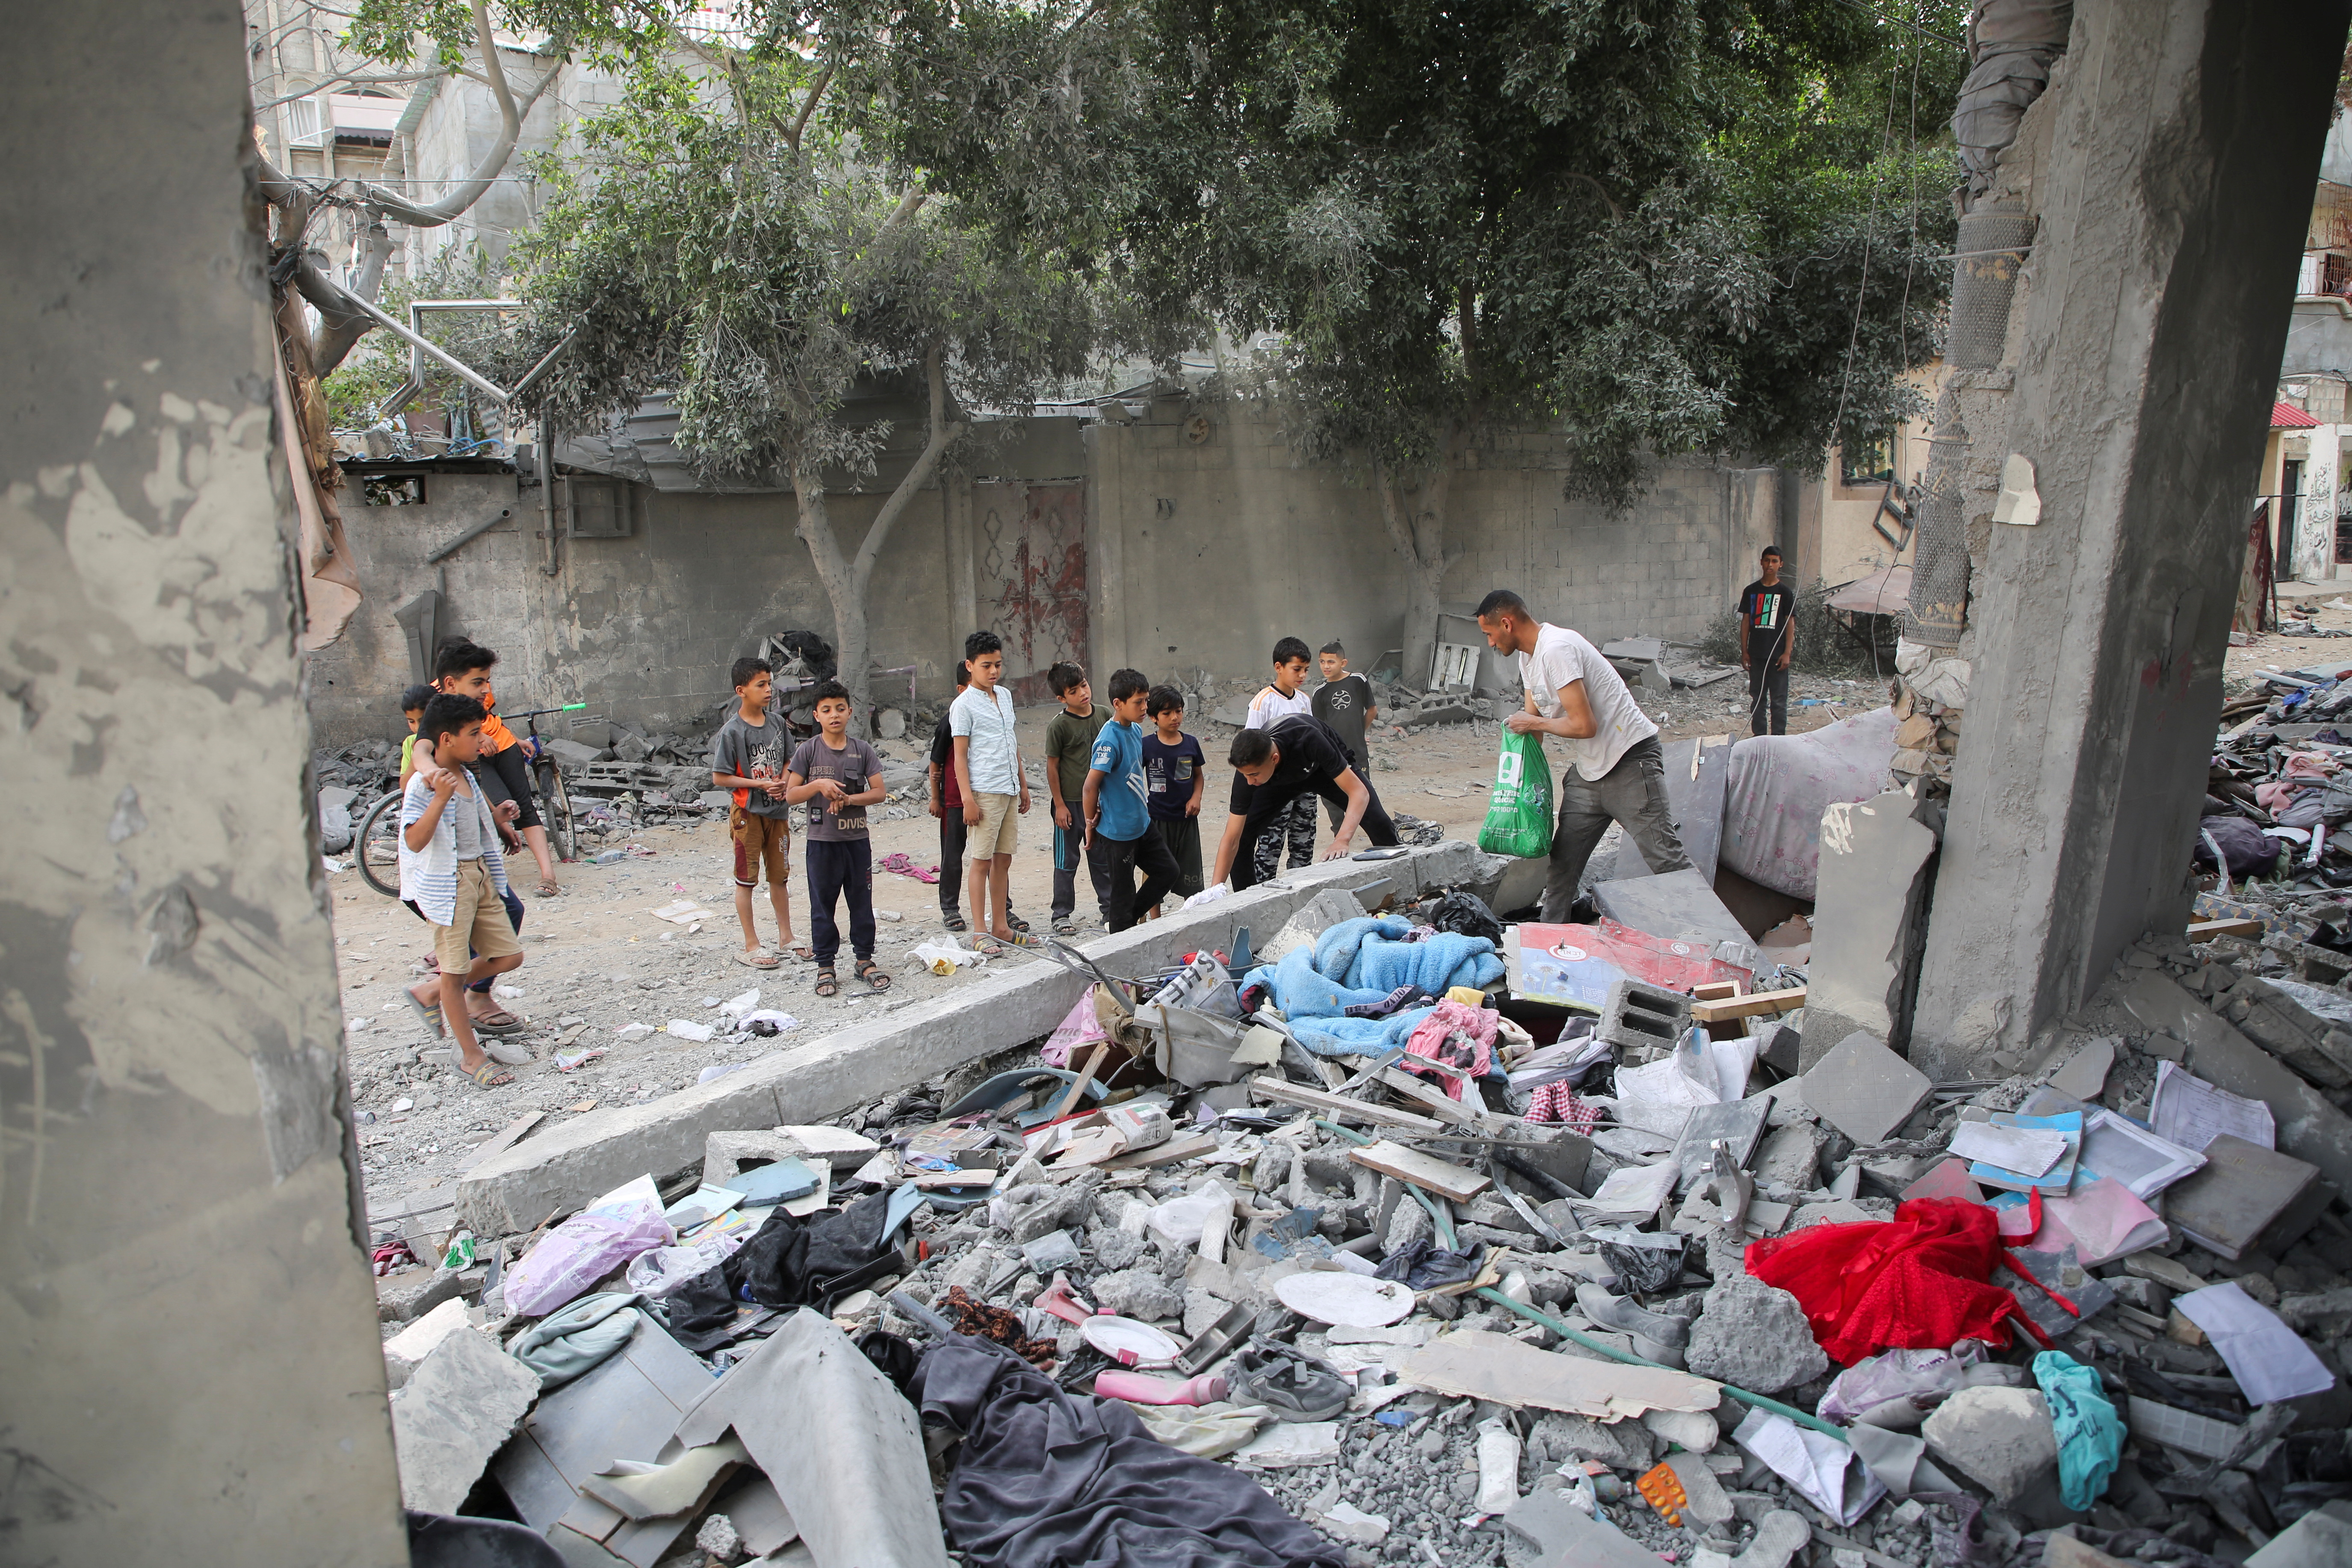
(1445, 1229)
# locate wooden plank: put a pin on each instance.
(1483, 1365)
(1715, 991)
(1440, 1103)
(2202, 930)
(1166, 1153)
(1762, 1003)
(1430, 1175)
(1078, 1084)
(1332, 1105)
(506, 1137)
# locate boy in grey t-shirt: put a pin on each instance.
(749, 757)
(839, 776)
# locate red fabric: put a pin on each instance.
(1915, 1282)
(1465, 1035)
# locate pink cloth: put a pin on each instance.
(1558, 1102)
(1458, 1034)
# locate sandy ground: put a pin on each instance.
(598, 961)
(2332, 605)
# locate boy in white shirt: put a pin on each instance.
(452, 874)
(989, 777)
(1283, 699)
(1616, 770)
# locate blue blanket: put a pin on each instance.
(1360, 962)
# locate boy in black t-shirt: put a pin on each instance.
(1345, 703)
(1176, 771)
(1276, 767)
(1767, 636)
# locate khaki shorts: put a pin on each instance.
(759, 841)
(999, 832)
(478, 923)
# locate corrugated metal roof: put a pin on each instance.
(2287, 417)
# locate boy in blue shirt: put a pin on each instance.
(1119, 825)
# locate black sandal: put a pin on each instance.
(954, 922)
(875, 977)
(826, 985)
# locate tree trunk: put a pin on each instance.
(1416, 526)
(846, 579)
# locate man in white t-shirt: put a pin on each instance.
(1616, 770)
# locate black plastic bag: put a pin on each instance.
(1646, 1270)
(1466, 914)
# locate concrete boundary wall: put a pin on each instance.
(562, 1169)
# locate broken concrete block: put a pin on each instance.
(1677, 905)
(2000, 1438)
(2320, 1538)
(1317, 915)
(2084, 1074)
(1639, 1013)
(571, 756)
(1792, 1156)
(2242, 1193)
(465, 1400)
(1754, 1336)
(408, 1294)
(1863, 1090)
(406, 1350)
(1873, 858)
(1552, 1530)
(1620, 1444)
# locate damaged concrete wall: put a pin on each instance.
(1207, 550)
(2171, 210)
(190, 1355)
(641, 628)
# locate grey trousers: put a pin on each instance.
(1634, 792)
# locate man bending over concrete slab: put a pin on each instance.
(1279, 765)
(1616, 770)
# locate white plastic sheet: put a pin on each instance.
(1779, 786)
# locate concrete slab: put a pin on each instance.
(2309, 1127)
(1863, 1090)
(1678, 906)
(566, 1166)
(453, 1415)
(1865, 945)
(2241, 1191)
(2320, 1538)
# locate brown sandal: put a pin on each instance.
(875, 977)
(489, 1075)
(826, 984)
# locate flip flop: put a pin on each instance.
(760, 959)
(430, 1016)
(875, 977)
(489, 1075)
(549, 889)
(805, 954)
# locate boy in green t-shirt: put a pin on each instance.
(1069, 748)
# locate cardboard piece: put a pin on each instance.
(1575, 965)
(1476, 1363)
(1863, 1090)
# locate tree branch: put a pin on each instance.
(1614, 210)
(1400, 534)
(800, 122)
(343, 329)
(345, 78)
(511, 114)
(943, 434)
(909, 205)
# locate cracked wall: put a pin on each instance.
(191, 1355)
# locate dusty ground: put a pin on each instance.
(597, 961)
(2283, 650)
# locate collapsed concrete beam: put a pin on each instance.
(561, 1169)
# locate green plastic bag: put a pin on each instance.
(1518, 812)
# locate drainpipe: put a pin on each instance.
(547, 486)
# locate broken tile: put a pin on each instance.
(406, 1350)
(2085, 1073)
(453, 1415)
(1949, 1179)
(1863, 1090)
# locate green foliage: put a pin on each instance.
(700, 250)
(1641, 222)
(1824, 646)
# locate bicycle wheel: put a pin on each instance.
(376, 847)
(555, 811)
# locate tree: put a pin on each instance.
(1450, 219)
(724, 246)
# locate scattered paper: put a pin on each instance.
(2188, 1112)
(686, 1029)
(685, 911)
(1829, 1474)
(2025, 1151)
(2268, 1359)
(2117, 1149)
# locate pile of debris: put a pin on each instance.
(1414, 1237)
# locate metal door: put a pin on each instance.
(1029, 552)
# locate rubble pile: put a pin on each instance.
(1412, 1238)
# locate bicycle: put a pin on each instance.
(375, 850)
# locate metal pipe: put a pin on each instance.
(547, 486)
(532, 379)
(447, 360)
(474, 533)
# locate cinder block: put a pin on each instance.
(1639, 1014)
